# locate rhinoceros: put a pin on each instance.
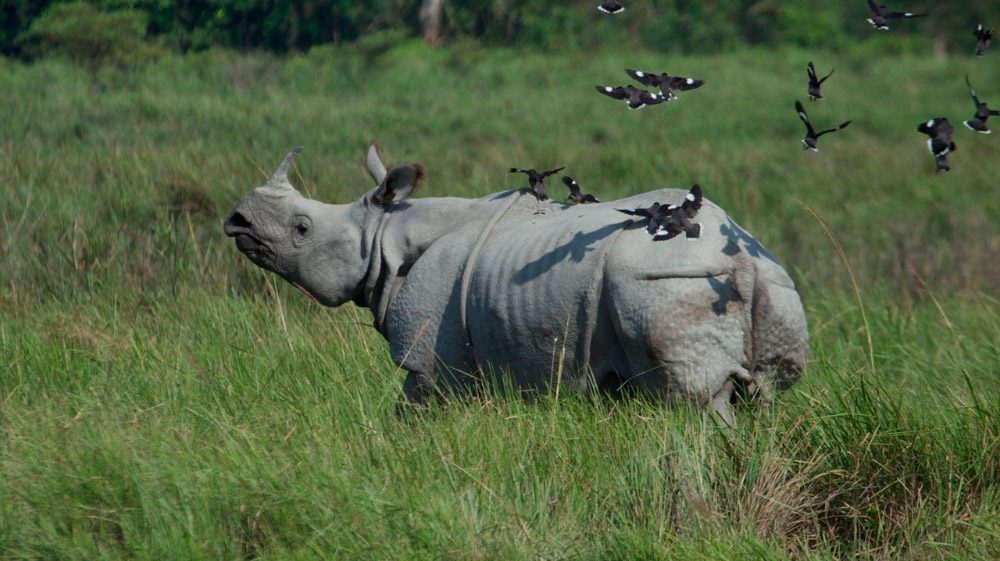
(537, 294)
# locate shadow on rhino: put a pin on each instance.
(504, 283)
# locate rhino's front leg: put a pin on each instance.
(418, 389)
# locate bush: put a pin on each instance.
(89, 36)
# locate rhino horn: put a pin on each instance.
(373, 161)
(279, 179)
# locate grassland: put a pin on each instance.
(162, 398)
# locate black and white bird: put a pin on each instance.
(575, 194)
(939, 144)
(633, 96)
(978, 122)
(815, 83)
(611, 7)
(536, 180)
(668, 84)
(809, 142)
(983, 38)
(881, 15)
(667, 221)
(656, 213)
(679, 217)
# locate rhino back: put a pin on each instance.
(538, 294)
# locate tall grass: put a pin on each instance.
(162, 398)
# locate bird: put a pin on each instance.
(978, 122)
(633, 96)
(809, 142)
(815, 83)
(536, 180)
(939, 144)
(611, 7)
(574, 192)
(667, 221)
(668, 84)
(983, 38)
(880, 15)
(679, 217)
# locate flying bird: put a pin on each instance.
(815, 83)
(668, 84)
(536, 180)
(633, 96)
(881, 15)
(611, 7)
(983, 38)
(978, 122)
(939, 144)
(809, 142)
(575, 194)
(666, 222)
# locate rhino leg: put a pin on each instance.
(685, 338)
(780, 338)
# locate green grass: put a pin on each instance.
(162, 398)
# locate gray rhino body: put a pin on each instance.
(530, 291)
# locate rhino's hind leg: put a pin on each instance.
(722, 403)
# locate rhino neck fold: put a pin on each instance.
(404, 232)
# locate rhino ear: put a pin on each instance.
(398, 184)
(373, 161)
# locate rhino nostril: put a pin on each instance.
(237, 220)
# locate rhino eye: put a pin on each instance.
(302, 227)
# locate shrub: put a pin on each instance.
(89, 36)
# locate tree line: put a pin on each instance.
(31, 28)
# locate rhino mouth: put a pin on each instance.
(253, 248)
(237, 227)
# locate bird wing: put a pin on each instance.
(823, 79)
(684, 84)
(648, 98)
(636, 212)
(972, 92)
(873, 7)
(805, 118)
(837, 128)
(644, 78)
(811, 70)
(995, 113)
(519, 170)
(613, 92)
(552, 171)
(574, 187)
(903, 15)
(692, 201)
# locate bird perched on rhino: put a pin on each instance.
(939, 144)
(815, 83)
(809, 142)
(881, 15)
(536, 180)
(983, 38)
(668, 84)
(611, 7)
(669, 221)
(983, 112)
(633, 96)
(575, 194)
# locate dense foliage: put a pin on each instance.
(667, 25)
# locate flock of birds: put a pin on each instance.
(666, 221)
